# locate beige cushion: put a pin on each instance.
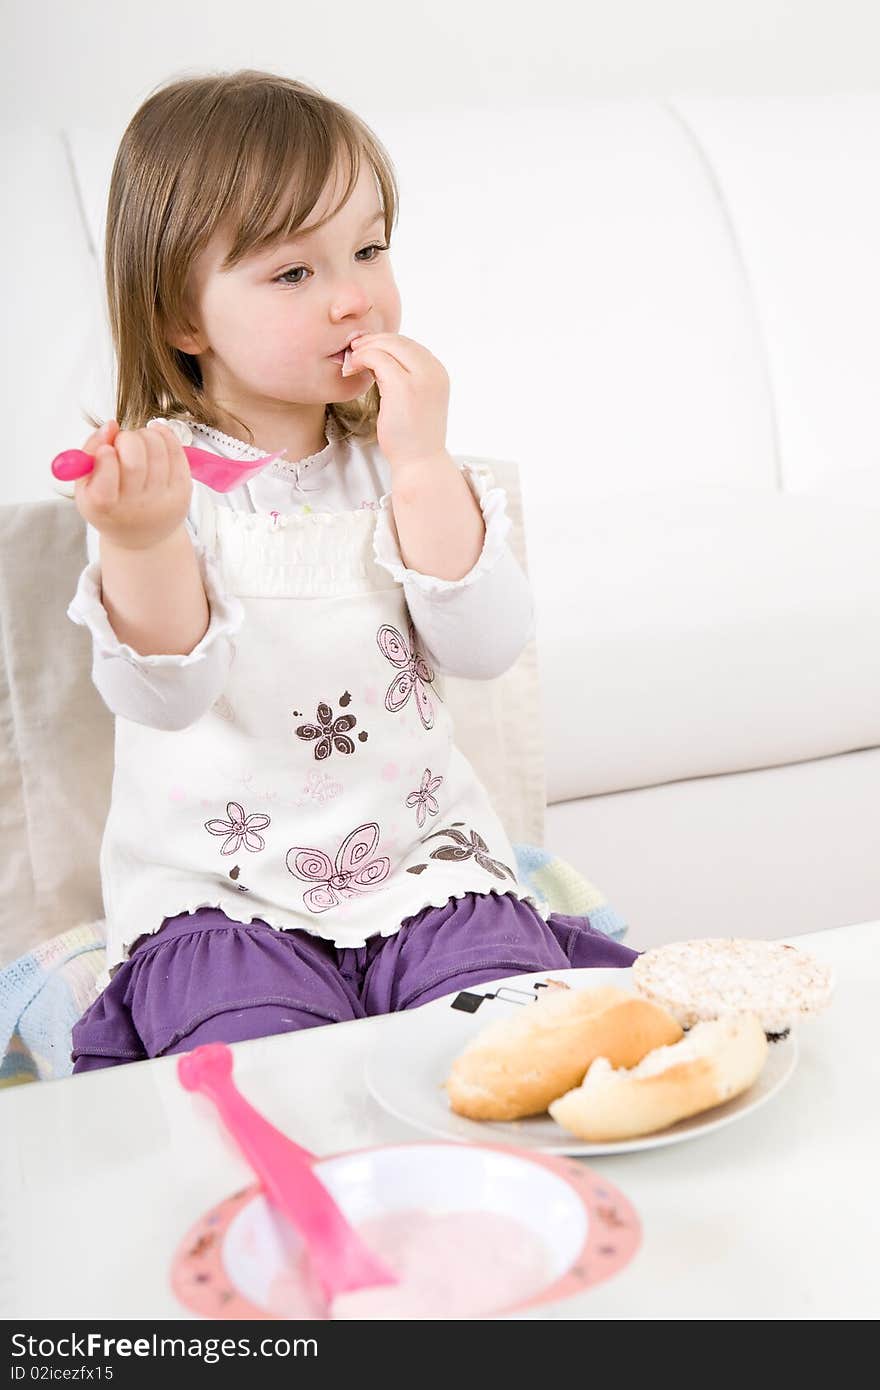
(56, 760)
(501, 732)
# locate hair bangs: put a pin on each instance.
(281, 174)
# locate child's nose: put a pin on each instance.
(351, 300)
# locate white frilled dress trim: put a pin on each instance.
(87, 610)
(178, 427)
(318, 555)
(235, 909)
(493, 505)
(230, 447)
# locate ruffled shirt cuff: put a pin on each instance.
(475, 626)
(164, 678)
(493, 505)
(87, 609)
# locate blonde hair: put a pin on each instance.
(199, 154)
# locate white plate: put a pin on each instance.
(406, 1070)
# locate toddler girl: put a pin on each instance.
(294, 837)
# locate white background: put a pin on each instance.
(94, 61)
(86, 66)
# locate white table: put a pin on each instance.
(775, 1216)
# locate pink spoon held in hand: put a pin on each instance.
(218, 473)
(341, 1260)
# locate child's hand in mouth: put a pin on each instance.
(347, 369)
(414, 391)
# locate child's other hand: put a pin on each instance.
(139, 490)
(414, 388)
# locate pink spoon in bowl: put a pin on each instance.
(342, 1262)
(218, 473)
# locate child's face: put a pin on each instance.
(267, 328)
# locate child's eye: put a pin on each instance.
(283, 280)
(298, 270)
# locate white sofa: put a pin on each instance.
(667, 314)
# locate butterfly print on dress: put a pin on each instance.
(415, 673)
(353, 872)
(465, 848)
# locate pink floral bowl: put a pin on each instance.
(240, 1260)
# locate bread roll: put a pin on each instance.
(713, 1063)
(517, 1066)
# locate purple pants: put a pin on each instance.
(204, 978)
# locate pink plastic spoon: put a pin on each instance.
(220, 474)
(341, 1260)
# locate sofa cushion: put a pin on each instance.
(799, 179)
(770, 853)
(682, 635)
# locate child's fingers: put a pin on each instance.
(101, 486)
(105, 435)
(404, 351)
(158, 458)
(131, 450)
(377, 360)
(176, 465)
(95, 440)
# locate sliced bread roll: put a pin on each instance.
(713, 1063)
(517, 1066)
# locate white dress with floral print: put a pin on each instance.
(323, 789)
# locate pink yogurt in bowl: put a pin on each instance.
(472, 1231)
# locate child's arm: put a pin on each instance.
(473, 619)
(152, 601)
(444, 539)
(154, 598)
(137, 497)
(438, 518)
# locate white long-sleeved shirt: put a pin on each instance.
(474, 627)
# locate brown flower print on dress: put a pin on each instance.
(463, 848)
(328, 733)
(424, 799)
(239, 829)
(415, 673)
(352, 872)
